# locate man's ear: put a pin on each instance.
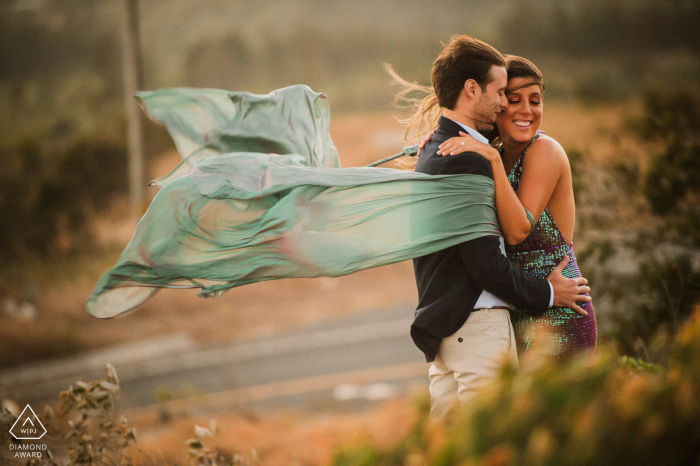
(470, 87)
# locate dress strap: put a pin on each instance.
(537, 134)
(518, 162)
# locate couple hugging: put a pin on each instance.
(260, 195)
(473, 295)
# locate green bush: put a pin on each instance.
(596, 410)
(649, 305)
(671, 116)
(670, 289)
(673, 175)
(671, 183)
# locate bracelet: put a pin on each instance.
(530, 218)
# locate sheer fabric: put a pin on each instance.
(260, 195)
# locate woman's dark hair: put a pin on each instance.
(519, 67)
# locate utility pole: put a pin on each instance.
(131, 71)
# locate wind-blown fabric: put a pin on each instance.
(260, 195)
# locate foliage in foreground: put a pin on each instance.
(597, 410)
(98, 434)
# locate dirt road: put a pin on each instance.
(365, 357)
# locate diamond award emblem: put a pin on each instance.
(28, 426)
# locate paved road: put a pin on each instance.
(366, 356)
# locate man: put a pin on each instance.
(462, 322)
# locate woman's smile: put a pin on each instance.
(519, 122)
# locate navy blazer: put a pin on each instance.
(450, 281)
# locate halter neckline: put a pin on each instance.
(517, 161)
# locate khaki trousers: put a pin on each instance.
(470, 358)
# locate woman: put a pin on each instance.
(532, 174)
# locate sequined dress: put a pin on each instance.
(539, 254)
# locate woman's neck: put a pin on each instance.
(511, 152)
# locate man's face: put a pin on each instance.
(492, 100)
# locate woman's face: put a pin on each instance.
(519, 122)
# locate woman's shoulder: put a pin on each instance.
(546, 149)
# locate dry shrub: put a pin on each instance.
(97, 434)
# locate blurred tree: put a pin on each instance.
(651, 304)
(132, 66)
(671, 289)
(594, 27)
(55, 38)
(671, 184)
(43, 206)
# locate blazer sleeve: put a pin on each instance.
(482, 257)
(493, 272)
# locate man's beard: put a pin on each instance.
(482, 121)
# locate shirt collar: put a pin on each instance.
(474, 133)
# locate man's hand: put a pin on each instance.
(569, 291)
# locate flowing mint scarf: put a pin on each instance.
(260, 195)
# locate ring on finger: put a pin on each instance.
(461, 143)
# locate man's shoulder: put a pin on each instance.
(466, 163)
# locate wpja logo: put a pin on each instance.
(27, 427)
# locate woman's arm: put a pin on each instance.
(509, 209)
(545, 181)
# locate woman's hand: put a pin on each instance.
(425, 141)
(466, 143)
